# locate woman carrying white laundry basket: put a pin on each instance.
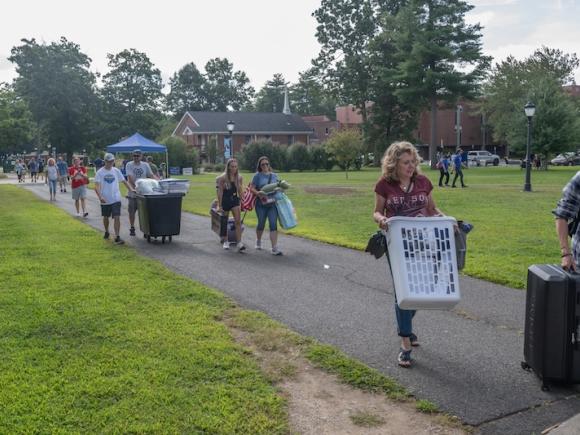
(403, 191)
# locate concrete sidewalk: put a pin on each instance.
(469, 361)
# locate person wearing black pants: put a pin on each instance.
(457, 164)
(443, 166)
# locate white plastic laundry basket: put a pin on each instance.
(424, 262)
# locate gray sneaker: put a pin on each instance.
(276, 251)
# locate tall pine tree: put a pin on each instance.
(441, 56)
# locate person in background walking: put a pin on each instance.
(403, 191)
(98, 163)
(33, 168)
(443, 166)
(229, 192)
(464, 161)
(458, 167)
(107, 181)
(20, 169)
(41, 169)
(51, 178)
(78, 182)
(153, 167)
(265, 204)
(135, 169)
(62, 169)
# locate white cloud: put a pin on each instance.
(5, 64)
(483, 18)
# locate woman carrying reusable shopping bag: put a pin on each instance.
(265, 203)
(403, 191)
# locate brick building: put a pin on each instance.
(199, 129)
(321, 127)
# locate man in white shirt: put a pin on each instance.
(107, 189)
(136, 169)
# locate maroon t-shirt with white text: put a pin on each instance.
(401, 203)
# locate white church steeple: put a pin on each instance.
(286, 110)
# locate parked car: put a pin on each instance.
(484, 158)
(566, 159)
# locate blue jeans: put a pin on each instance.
(404, 321)
(266, 211)
(404, 317)
(52, 186)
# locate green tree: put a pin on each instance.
(186, 92)
(178, 152)
(16, 124)
(345, 30)
(433, 40)
(320, 159)
(346, 147)
(271, 97)
(132, 91)
(538, 78)
(392, 118)
(299, 157)
(224, 88)
(309, 97)
(59, 90)
(253, 151)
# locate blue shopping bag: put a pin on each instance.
(286, 212)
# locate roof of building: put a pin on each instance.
(245, 122)
(316, 118)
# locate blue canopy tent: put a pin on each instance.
(138, 142)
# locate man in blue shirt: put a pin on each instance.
(62, 169)
(457, 164)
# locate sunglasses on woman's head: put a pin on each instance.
(265, 164)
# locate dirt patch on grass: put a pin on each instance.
(318, 402)
(323, 190)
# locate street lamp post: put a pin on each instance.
(458, 127)
(230, 125)
(530, 110)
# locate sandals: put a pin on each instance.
(404, 358)
(414, 340)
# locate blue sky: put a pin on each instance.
(261, 37)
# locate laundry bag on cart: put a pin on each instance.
(424, 262)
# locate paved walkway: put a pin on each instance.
(469, 361)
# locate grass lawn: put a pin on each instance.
(95, 338)
(513, 229)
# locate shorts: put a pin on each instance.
(79, 193)
(113, 209)
(132, 204)
(229, 202)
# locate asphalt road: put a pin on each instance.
(469, 360)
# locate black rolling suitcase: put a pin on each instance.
(552, 327)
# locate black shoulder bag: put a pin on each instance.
(377, 245)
